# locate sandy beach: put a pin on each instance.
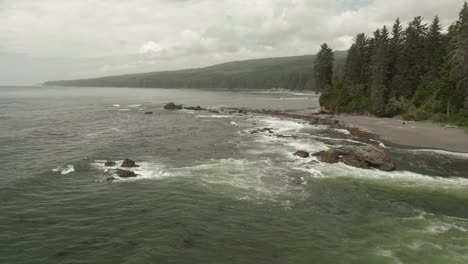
(414, 134)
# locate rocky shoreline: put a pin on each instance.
(367, 156)
(370, 156)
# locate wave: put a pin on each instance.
(145, 171)
(444, 152)
(64, 170)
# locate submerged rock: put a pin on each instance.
(128, 163)
(365, 157)
(173, 106)
(110, 179)
(148, 113)
(302, 154)
(125, 173)
(110, 163)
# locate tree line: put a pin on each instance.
(418, 72)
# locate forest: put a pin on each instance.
(418, 72)
(284, 72)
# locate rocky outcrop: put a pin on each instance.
(125, 173)
(173, 106)
(110, 163)
(365, 157)
(196, 108)
(302, 154)
(128, 163)
(262, 130)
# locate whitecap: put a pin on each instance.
(64, 171)
(444, 152)
(401, 177)
(214, 116)
(342, 131)
(145, 171)
(124, 110)
(234, 124)
(134, 106)
(116, 105)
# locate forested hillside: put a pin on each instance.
(418, 71)
(287, 72)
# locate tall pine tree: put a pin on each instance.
(323, 67)
(410, 65)
(379, 71)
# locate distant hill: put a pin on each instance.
(284, 72)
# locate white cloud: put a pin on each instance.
(151, 47)
(172, 34)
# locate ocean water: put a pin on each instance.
(208, 190)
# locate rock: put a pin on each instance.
(197, 108)
(110, 163)
(110, 179)
(325, 111)
(172, 106)
(262, 130)
(125, 173)
(328, 156)
(148, 113)
(365, 157)
(302, 154)
(327, 121)
(128, 163)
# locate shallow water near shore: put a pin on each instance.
(208, 190)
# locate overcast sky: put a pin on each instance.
(67, 39)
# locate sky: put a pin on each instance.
(45, 40)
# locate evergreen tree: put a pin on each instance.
(323, 67)
(357, 63)
(379, 71)
(434, 51)
(410, 64)
(394, 50)
(459, 55)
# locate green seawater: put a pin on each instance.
(208, 190)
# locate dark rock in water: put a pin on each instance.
(188, 243)
(148, 113)
(302, 154)
(262, 130)
(329, 156)
(110, 163)
(365, 157)
(172, 106)
(197, 108)
(213, 111)
(110, 179)
(125, 173)
(128, 163)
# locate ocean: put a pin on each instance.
(208, 190)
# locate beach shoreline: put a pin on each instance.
(406, 134)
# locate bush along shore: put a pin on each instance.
(418, 73)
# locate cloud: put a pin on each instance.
(150, 35)
(151, 47)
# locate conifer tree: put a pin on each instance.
(410, 64)
(379, 71)
(323, 67)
